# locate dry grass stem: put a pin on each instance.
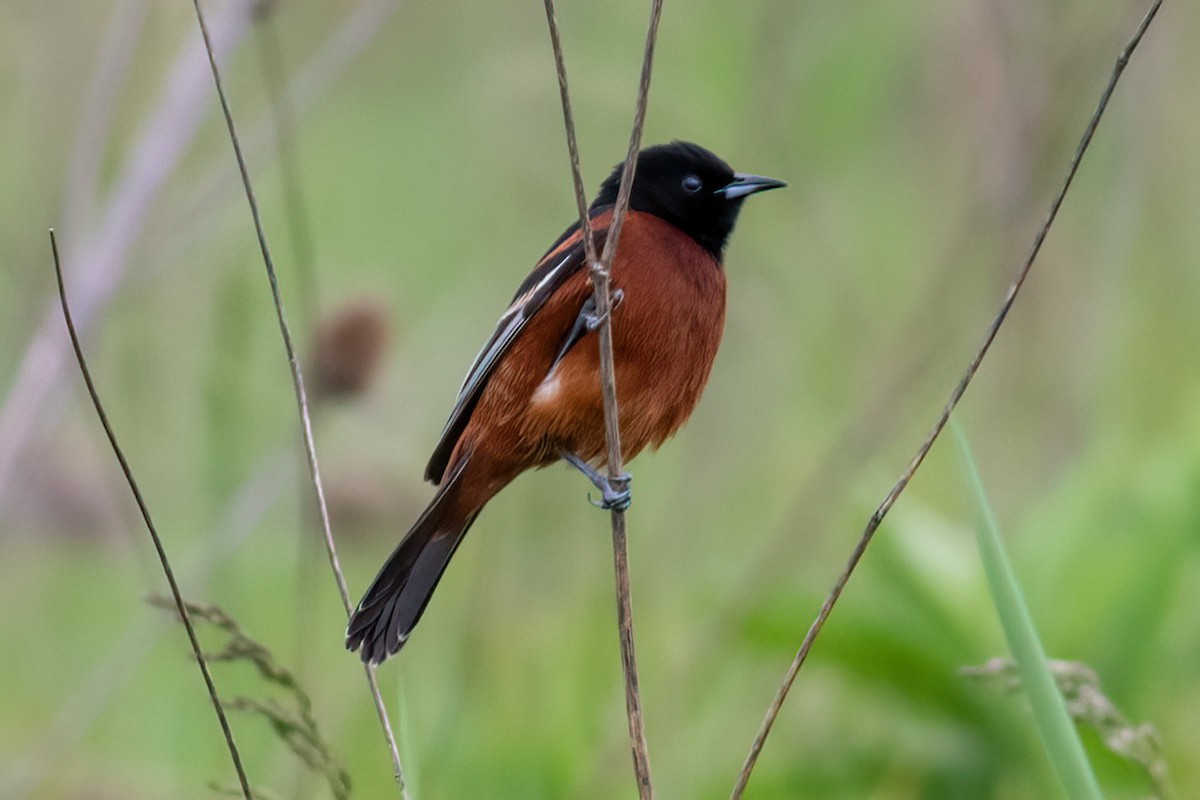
(600, 269)
(100, 687)
(972, 367)
(295, 726)
(301, 396)
(176, 595)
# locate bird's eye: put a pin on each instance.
(692, 184)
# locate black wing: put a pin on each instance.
(563, 260)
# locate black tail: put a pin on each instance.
(391, 607)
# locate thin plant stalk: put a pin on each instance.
(101, 687)
(176, 594)
(301, 398)
(1050, 715)
(600, 270)
(972, 367)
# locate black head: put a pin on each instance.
(689, 187)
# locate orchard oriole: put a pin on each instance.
(532, 397)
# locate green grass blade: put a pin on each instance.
(1054, 725)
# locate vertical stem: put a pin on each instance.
(176, 594)
(600, 269)
(608, 386)
(314, 467)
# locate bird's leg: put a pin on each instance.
(585, 322)
(593, 320)
(611, 497)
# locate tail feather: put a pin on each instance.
(397, 597)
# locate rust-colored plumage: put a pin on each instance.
(533, 395)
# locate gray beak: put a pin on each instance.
(743, 185)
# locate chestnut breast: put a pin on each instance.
(666, 331)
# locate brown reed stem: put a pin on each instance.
(600, 271)
(176, 594)
(310, 450)
(956, 395)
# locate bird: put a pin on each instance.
(532, 396)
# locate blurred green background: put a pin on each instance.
(922, 141)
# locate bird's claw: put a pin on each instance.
(615, 494)
(593, 321)
(612, 498)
